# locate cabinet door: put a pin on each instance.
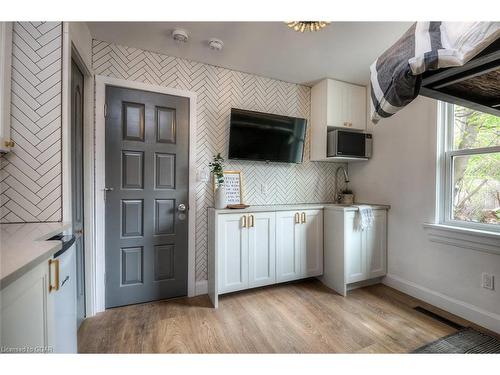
(354, 250)
(357, 107)
(261, 249)
(27, 310)
(288, 247)
(336, 103)
(312, 243)
(5, 84)
(375, 246)
(232, 242)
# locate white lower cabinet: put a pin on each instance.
(312, 243)
(366, 249)
(353, 255)
(262, 248)
(27, 313)
(246, 248)
(299, 244)
(288, 245)
(233, 252)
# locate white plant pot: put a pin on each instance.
(220, 197)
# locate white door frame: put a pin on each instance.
(97, 273)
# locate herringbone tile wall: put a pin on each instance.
(30, 175)
(218, 90)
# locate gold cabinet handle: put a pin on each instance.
(297, 218)
(303, 217)
(56, 266)
(10, 143)
(346, 124)
(252, 221)
(244, 221)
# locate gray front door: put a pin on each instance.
(147, 174)
(77, 84)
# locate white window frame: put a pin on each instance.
(444, 211)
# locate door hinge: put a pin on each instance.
(105, 109)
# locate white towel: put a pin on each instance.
(364, 217)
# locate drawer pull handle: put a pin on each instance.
(244, 221)
(252, 221)
(303, 217)
(56, 266)
(297, 218)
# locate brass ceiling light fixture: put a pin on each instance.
(307, 25)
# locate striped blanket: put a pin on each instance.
(396, 75)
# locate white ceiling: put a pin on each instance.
(343, 50)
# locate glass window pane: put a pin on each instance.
(476, 188)
(474, 129)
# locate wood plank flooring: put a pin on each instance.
(303, 317)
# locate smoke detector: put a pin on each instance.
(215, 44)
(180, 35)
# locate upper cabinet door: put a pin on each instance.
(261, 249)
(5, 78)
(312, 244)
(233, 252)
(375, 243)
(357, 108)
(337, 103)
(288, 245)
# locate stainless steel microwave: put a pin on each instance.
(349, 144)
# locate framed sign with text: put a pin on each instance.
(233, 187)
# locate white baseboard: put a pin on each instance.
(462, 309)
(201, 287)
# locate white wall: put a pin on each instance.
(30, 174)
(218, 91)
(402, 173)
(82, 40)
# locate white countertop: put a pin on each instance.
(23, 246)
(300, 206)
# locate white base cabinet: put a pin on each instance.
(353, 255)
(262, 249)
(246, 249)
(253, 249)
(27, 313)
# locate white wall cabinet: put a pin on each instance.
(335, 104)
(353, 255)
(5, 85)
(27, 312)
(254, 249)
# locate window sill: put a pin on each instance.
(473, 239)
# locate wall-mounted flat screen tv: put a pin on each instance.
(266, 137)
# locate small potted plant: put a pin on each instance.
(217, 169)
(347, 197)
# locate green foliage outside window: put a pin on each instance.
(476, 178)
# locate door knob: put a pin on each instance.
(108, 189)
(181, 207)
